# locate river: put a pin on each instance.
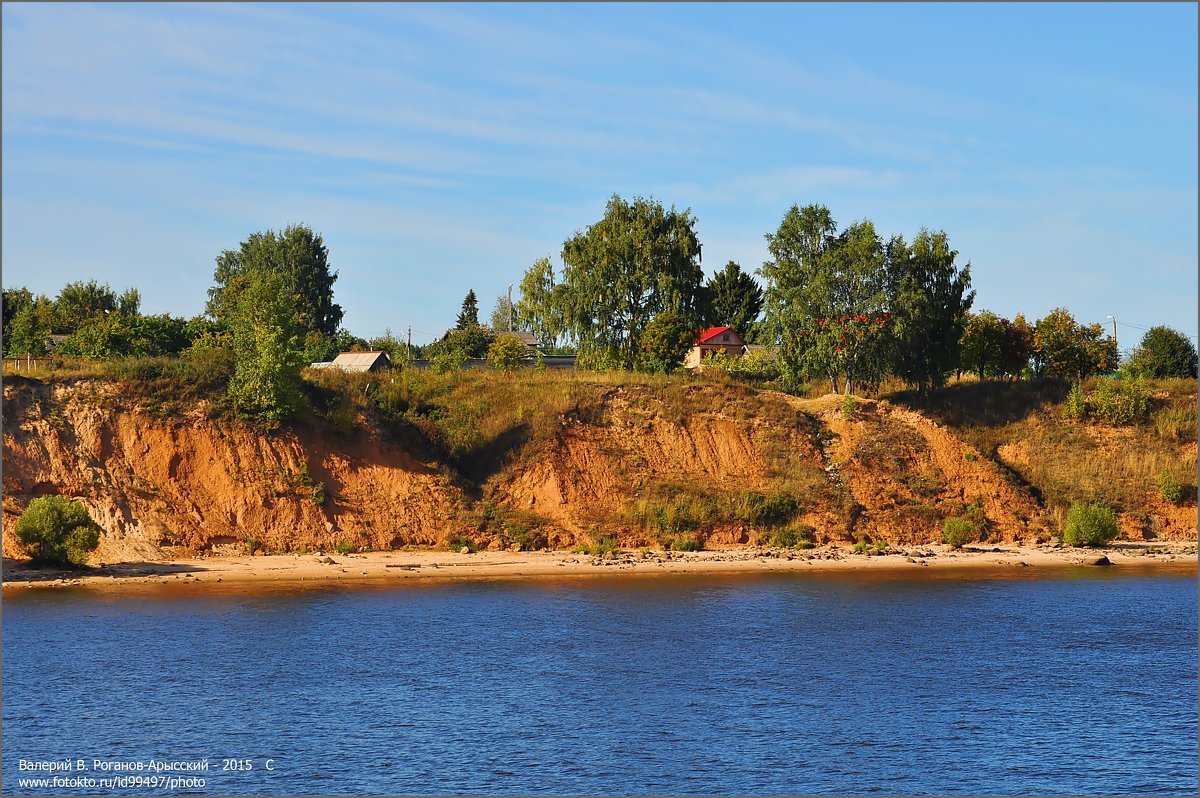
(1080, 681)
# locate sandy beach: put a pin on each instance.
(381, 568)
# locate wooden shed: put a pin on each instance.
(358, 361)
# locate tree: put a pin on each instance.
(15, 300)
(472, 342)
(982, 343)
(636, 262)
(1018, 347)
(505, 352)
(389, 343)
(540, 309)
(798, 248)
(267, 347)
(299, 257)
(1064, 348)
(129, 303)
(826, 299)
(1164, 352)
(665, 343)
(733, 297)
(930, 299)
(99, 338)
(57, 531)
(503, 314)
(157, 335)
(469, 315)
(993, 346)
(81, 302)
(27, 332)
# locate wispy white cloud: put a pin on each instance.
(477, 138)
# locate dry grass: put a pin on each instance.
(1066, 462)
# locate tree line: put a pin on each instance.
(839, 304)
(842, 305)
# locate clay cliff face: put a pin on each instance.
(159, 487)
(162, 487)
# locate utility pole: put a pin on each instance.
(510, 308)
(1114, 321)
(410, 357)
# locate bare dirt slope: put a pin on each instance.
(169, 487)
(907, 474)
(159, 487)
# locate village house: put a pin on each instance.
(358, 361)
(714, 339)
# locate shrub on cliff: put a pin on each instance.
(57, 531)
(1090, 525)
(1169, 488)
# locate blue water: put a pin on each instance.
(1081, 683)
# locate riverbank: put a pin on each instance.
(381, 568)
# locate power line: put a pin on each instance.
(1124, 323)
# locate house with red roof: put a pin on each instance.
(714, 339)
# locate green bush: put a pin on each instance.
(1090, 525)
(687, 543)
(957, 532)
(865, 544)
(345, 547)
(1169, 488)
(457, 544)
(505, 352)
(794, 537)
(252, 545)
(452, 360)
(1118, 403)
(775, 509)
(849, 407)
(1075, 407)
(757, 364)
(597, 548)
(57, 531)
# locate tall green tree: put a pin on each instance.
(929, 298)
(468, 317)
(15, 300)
(1164, 352)
(129, 303)
(80, 302)
(665, 343)
(388, 342)
(1018, 347)
(638, 261)
(982, 343)
(99, 338)
(469, 342)
(993, 346)
(504, 314)
(267, 347)
(28, 331)
(827, 299)
(733, 297)
(157, 335)
(799, 248)
(540, 308)
(299, 257)
(1064, 348)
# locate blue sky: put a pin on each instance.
(444, 147)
